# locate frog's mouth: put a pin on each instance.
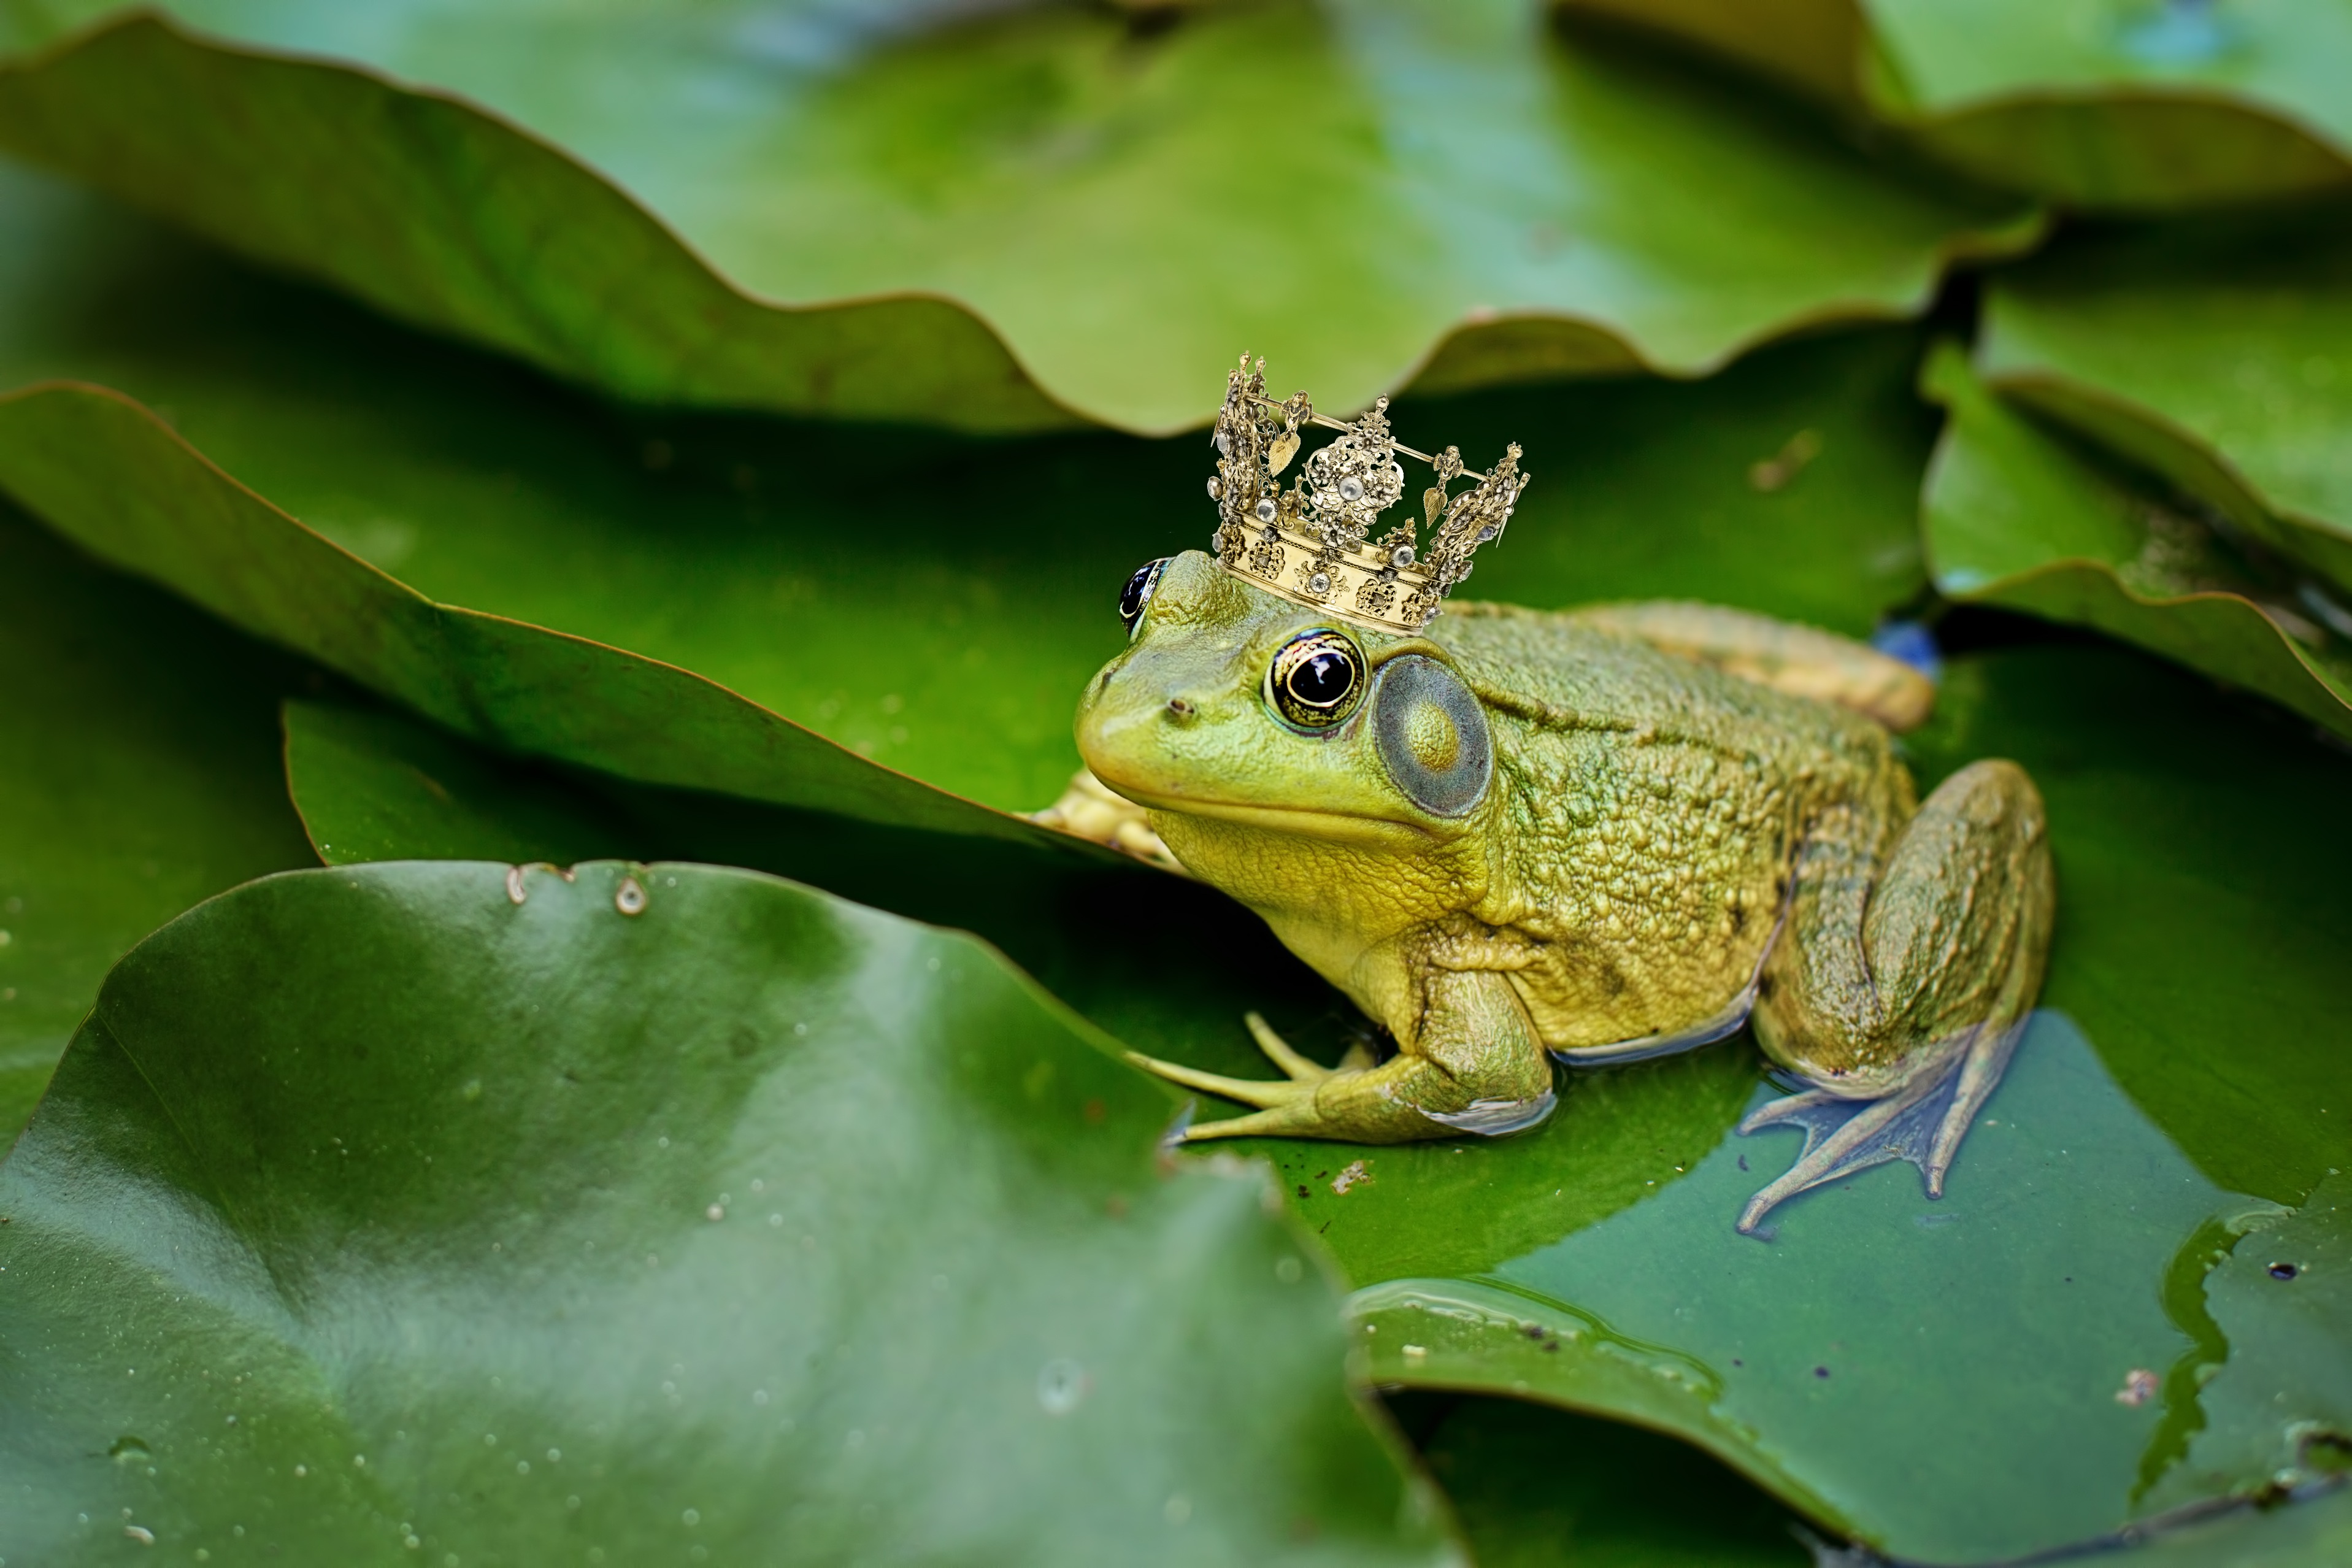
(1272, 818)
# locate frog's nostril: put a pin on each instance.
(1180, 708)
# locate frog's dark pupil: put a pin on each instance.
(1323, 678)
(1137, 593)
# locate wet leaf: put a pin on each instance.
(941, 622)
(2216, 353)
(138, 774)
(373, 1211)
(2016, 515)
(1941, 1379)
(2101, 103)
(2279, 1408)
(1364, 192)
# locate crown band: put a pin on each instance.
(1311, 544)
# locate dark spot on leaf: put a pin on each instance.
(1117, 1206)
(1821, 1372)
(743, 1042)
(1094, 1110)
(1324, 1226)
(1551, 1344)
(2284, 1270)
(1743, 1162)
(1533, 1331)
(1302, 1190)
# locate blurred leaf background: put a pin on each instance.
(651, 439)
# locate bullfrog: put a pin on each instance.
(1514, 837)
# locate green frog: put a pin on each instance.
(1518, 836)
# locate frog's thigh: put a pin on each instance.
(1900, 1001)
(1802, 660)
(1475, 1067)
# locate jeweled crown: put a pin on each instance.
(1312, 543)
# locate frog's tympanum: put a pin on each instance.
(1512, 835)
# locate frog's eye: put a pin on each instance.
(1315, 679)
(1136, 597)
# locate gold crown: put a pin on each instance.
(1311, 544)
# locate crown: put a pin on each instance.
(1311, 544)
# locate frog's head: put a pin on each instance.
(1267, 739)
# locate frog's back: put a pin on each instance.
(1563, 673)
(1651, 807)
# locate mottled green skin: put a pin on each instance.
(1621, 879)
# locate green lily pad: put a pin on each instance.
(1160, 962)
(141, 775)
(2098, 103)
(1364, 192)
(1939, 1379)
(374, 1211)
(2218, 354)
(2279, 1408)
(2018, 516)
(2312, 1531)
(941, 622)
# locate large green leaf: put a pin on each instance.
(667, 1213)
(1365, 191)
(2017, 515)
(138, 774)
(2100, 103)
(939, 617)
(2218, 354)
(1941, 1379)
(1161, 963)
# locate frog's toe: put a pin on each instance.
(1264, 1094)
(1922, 1120)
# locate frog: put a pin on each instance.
(1525, 843)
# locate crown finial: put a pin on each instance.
(1312, 543)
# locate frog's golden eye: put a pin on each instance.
(1136, 597)
(1315, 679)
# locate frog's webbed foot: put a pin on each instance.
(1089, 810)
(1922, 1119)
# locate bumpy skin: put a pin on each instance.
(1662, 845)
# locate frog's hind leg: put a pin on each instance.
(1903, 993)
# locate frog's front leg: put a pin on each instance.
(1473, 1066)
(1907, 985)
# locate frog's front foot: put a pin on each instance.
(1411, 1096)
(1921, 1120)
(1089, 810)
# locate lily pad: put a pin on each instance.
(2217, 354)
(141, 776)
(374, 1211)
(1363, 192)
(1158, 960)
(2278, 1409)
(1939, 1379)
(2098, 103)
(940, 620)
(2017, 515)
